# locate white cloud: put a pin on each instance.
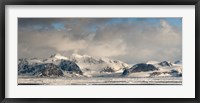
(128, 42)
(108, 49)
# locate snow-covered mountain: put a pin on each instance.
(154, 68)
(55, 65)
(85, 65)
(46, 69)
(94, 65)
(55, 59)
(75, 64)
(70, 67)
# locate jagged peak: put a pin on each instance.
(178, 62)
(76, 55)
(58, 56)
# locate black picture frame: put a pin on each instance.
(99, 2)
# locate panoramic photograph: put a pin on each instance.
(100, 51)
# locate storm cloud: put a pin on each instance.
(130, 40)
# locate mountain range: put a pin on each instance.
(87, 66)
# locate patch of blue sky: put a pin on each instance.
(116, 21)
(58, 26)
(153, 20)
(131, 20)
(174, 21)
(93, 28)
(150, 21)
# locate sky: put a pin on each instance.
(131, 40)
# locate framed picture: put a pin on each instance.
(100, 51)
